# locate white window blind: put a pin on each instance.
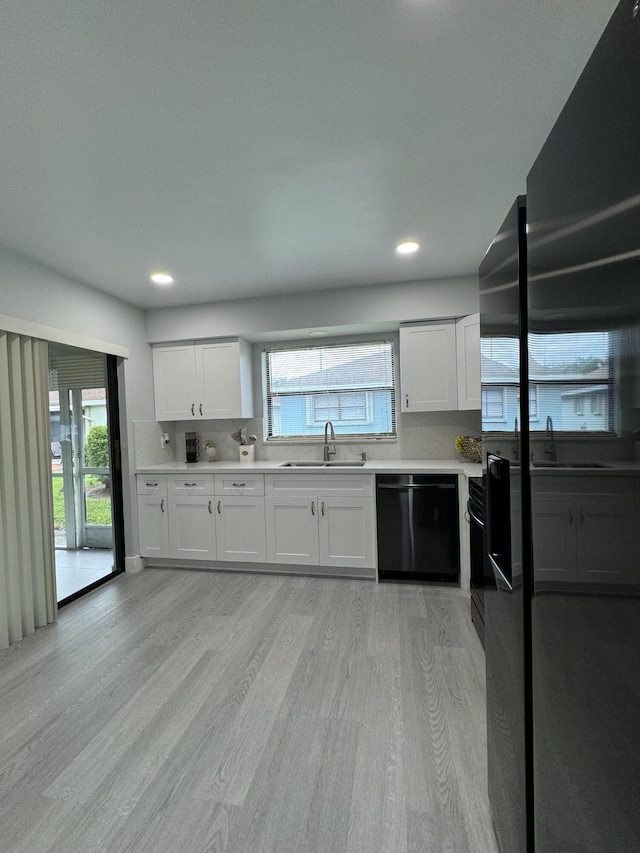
(350, 385)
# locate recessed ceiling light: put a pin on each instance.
(407, 247)
(318, 333)
(162, 278)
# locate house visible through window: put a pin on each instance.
(350, 385)
(493, 404)
(570, 380)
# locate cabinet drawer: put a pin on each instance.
(191, 484)
(147, 484)
(334, 485)
(239, 484)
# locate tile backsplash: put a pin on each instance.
(421, 435)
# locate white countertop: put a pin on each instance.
(391, 466)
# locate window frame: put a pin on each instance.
(270, 397)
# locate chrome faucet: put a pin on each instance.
(327, 451)
(549, 444)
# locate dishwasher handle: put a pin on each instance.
(402, 488)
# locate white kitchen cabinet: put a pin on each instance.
(346, 527)
(204, 380)
(192, 528)
(468, 361)
(292, 530)
(429, 379)
(240, 529)
(153, 517)
(321, 520)
(304, 519)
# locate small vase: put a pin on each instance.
(247, 452)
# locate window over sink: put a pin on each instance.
(349, 384)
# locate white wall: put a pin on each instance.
(34, 293)
(380, 303)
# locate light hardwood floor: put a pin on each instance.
(206, 712)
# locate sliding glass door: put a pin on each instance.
(82, 468)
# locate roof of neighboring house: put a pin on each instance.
(88, 395)
(369, 369)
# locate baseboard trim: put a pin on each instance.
(133, 565)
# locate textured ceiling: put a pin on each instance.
(254, 147)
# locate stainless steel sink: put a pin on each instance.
(571, 465)
(355, 463)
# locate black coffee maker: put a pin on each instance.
(192, 441)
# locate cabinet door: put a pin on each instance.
(174, 383)
(605, 534)
(428, 367)
(154, 525)
(347, 532)
(468, 361)
(292, 530)
(220, 376)
(240, 529)
(192, 527)
(554, 541)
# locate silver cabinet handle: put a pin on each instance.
(406, 399)
(191, 485)
(162, 505)
(570, 516)
(193, 408)
(210, 508)
(219, 510)
(151, 485)
(200, 408)
(313, 507)
(239, 485)
(581, 516)
(322, 507)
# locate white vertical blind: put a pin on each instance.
(27, 565)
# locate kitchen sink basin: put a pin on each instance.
(354, 463)
(571, 465)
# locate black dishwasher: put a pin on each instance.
(418, 533)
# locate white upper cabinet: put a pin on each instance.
(174, 382)
(440, 365)
(206, 380)
(428, 367)
(468, 361)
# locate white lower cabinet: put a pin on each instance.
(303, 520)
(347, 532)
(153, 516)
(322, 529)
(192, 529)
(292, 530)
(153, 519)
(240, 529)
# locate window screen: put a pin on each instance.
(350, 385)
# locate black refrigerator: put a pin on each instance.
(560, 338)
